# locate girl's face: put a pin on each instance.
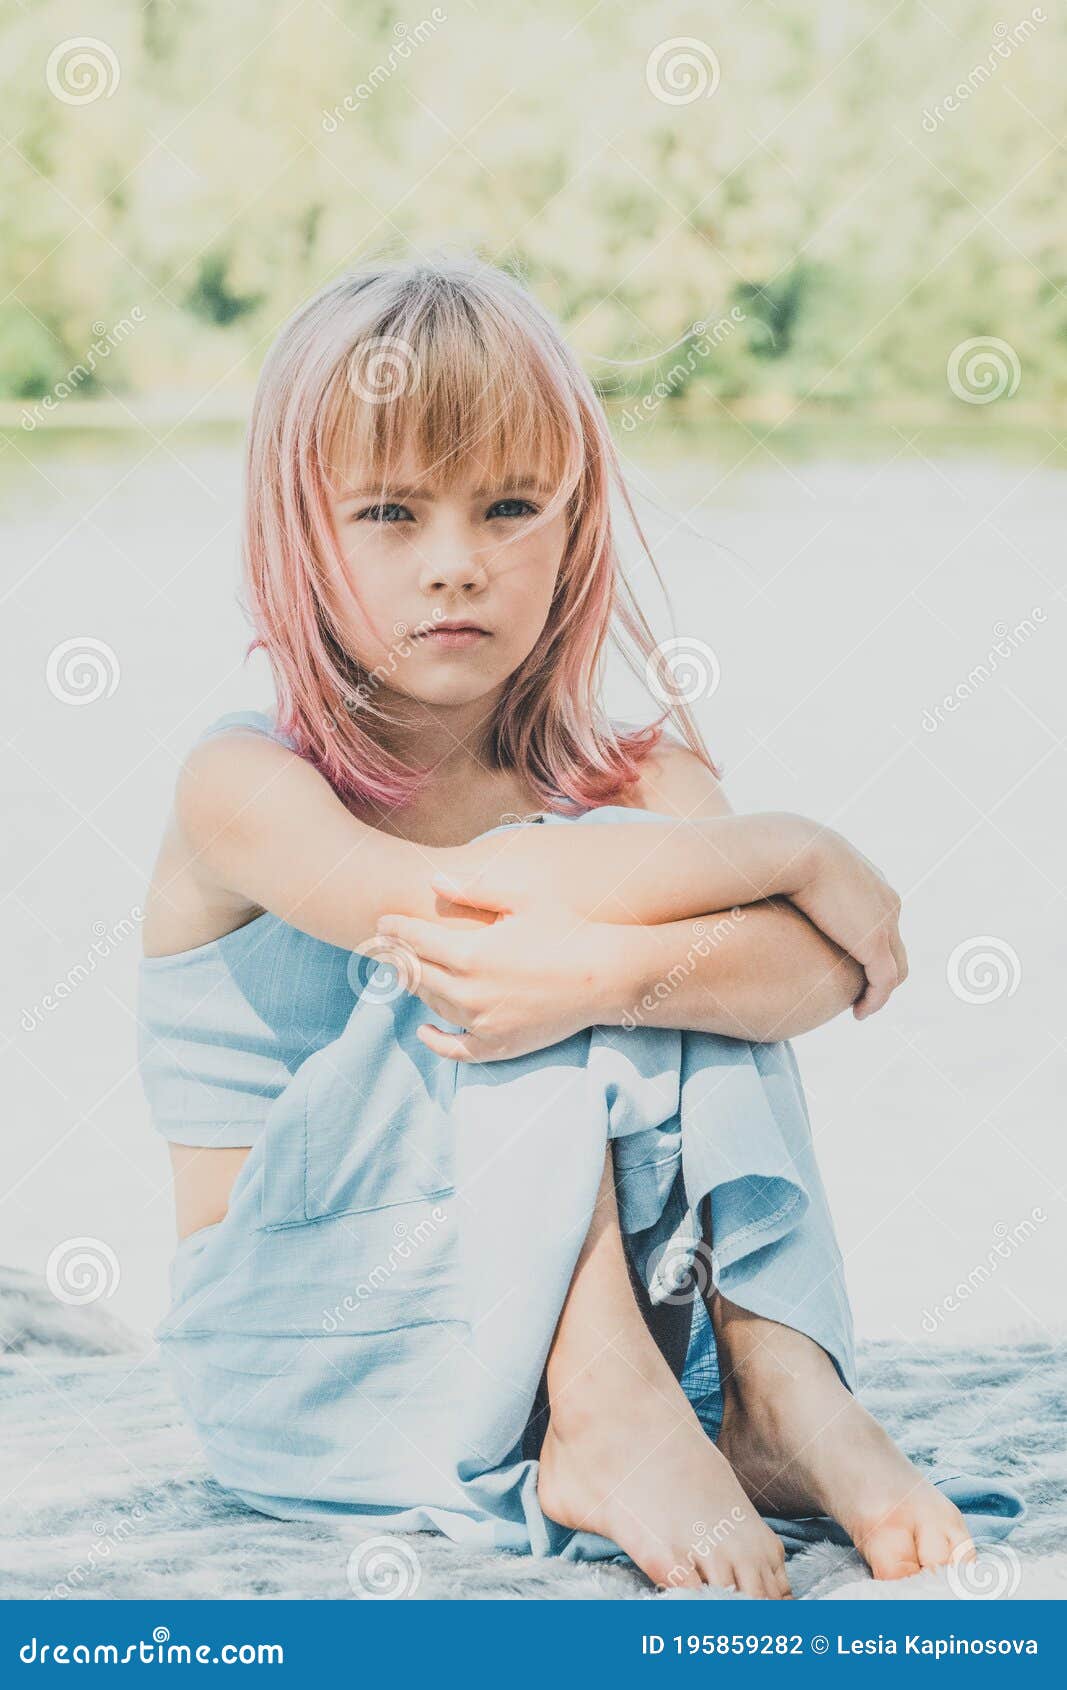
(421, 557)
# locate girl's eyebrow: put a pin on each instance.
(524, 483)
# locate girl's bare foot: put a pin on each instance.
(801, 1444)
(625, 1456)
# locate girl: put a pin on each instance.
(475, 1273)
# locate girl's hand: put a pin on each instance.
(843, 893)
(515, 983)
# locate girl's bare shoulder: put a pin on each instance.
(675, 782)
(220, 780)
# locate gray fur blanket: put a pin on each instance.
(105, 1493)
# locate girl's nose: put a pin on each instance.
(453, 566)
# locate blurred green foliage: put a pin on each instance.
(236, 155)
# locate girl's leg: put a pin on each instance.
(624, 1454)
(801, 1444)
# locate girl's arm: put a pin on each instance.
(759, 972)
(261, 822)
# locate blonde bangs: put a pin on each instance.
(444, 384)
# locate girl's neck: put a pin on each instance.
(451, 740)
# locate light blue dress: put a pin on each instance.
(366, 1330)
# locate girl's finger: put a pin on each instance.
(452, 1046)
(471, 894)
(428, 939)
(881, 971)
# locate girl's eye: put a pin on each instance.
(385, 513)
(510, 508)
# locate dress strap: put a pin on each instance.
(259, 721)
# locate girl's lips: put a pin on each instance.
(453, 639)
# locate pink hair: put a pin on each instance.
(452, 357)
